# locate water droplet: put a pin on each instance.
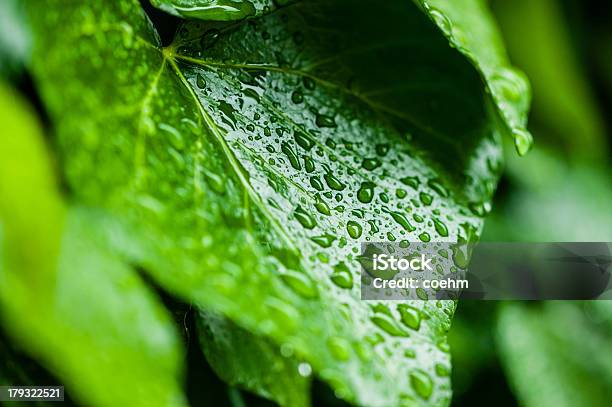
(411, 317)
(417, 218)
(441, 21)
(412, 182)
(354, 229)
(366, 192)
(308, 83)
(442, 370)
(291, 155)
(382, 149)
(424, 237)
(176, 139)
(523, 141)
(421, 294)
(309, 164)
(388, 324)
(300, 283)
(425, 198)
(215, 182)
(402, 221)
(437, 186)
(303, 140)
(316, 183)
(421, 383)
(440, 227)
(480, 209)
(384, 197)
(370, 163)
(510, 84)
(322, 206)
(401, 193)
(200, 81)
(339, 348)
(324, 241)
(333, 182)
(305, 219)
(325, 120)
(297, 97)
(341, 276)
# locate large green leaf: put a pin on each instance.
(250, 160)
(66, 300)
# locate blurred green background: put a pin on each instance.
(555, 353)
(533, 354)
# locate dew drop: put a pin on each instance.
(305, 219)
(341, 276)
(424, 237)
(200, 81)
(333, 182)
(389, 325)
(297, 97)
(402, 221)
(291, 155)
(354, 229)
(440, 227)
(523, 141)
(309, 164)
(412, 182)
(365, 194)
(421, 383)
(316, 183)
(324, 241)
(321, 206)
(382, 149)
(425, 198)
(441, 21)
(339, 348)
(303, 140)
(411, 317)
(215, 182)
(300, 283)
(370, 163)
(437, 186)
(325, 120)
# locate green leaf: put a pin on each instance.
(219, 10)
(70, 303)
(470, 28)
(249, 161)
(554, 353)
(253, 363)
